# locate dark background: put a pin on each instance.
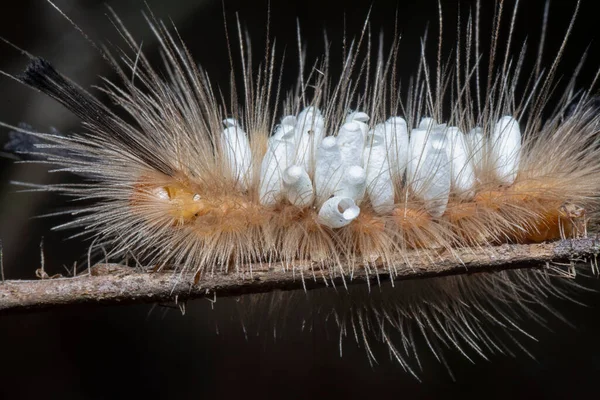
(144, 351)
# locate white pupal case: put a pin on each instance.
(338, 212)
(417, 149)
(380, 187)
(354, 183)
(310, 131)
(430, 174)
(351, 142)
(506, 149)
(396, 141)
(478, 145)
(298, 187)
(461, 165)
(280, 154)
(416, 153)
(236, 150)
(329, 169)
(428, 124)
(436, 176)
(360, 118)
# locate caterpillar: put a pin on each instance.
(341, 171)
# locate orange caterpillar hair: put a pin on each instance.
(339, 172)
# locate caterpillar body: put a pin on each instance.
(340, 172)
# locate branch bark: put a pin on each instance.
(117, 284)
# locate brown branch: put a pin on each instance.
(112, 284)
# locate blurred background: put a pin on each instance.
(153, 351)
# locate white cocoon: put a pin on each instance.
(289, 120)
(329, 169)
(461, 167)
(429, 173)
(434, 176)
(236, 150)
(286, 128)
(477, 145)
(351, 142)
(354, 183)
(506, 149)
(396, 141)
(380, 186)
(280, 154)
(417, 147)
(427, 124)
(310, 131)
(361, 118)
(298, 186)
(338, 212)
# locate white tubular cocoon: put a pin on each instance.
(284, 132)
(477, 145)
(329, 169)
(417, 147)
(289, 120)
(427, 124)
(462, 172)
(298, 187)
(280, 154)
(396, 141)
(310, 131)
(361, 119)
(236, 149)
(354, 183)
(506, 149)
(229, 122)
(434, 176)
(282, 129)
(351, 142)
(338, 212)
(357, 116)
(380, 186)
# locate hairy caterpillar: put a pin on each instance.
(231, 195)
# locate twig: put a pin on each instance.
(112, 284)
